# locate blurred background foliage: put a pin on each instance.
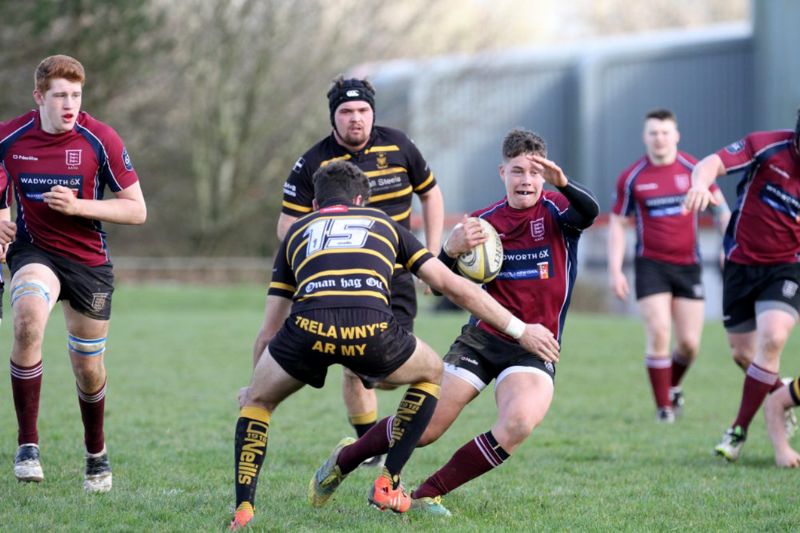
(216, 99)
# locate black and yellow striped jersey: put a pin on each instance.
(343, 256)
(392, 162)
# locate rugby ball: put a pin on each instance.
(483, 263)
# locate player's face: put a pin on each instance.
(523, 180)
(353, 122)
(661, 140)
(60, 105)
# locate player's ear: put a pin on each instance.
(38, 97)
(314, 204)
(358, 200)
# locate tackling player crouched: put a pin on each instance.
(540, 231)
(328, 303)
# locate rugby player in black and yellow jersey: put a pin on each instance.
(396, 171)
(328, 303)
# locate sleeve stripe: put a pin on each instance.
(414, 258)
(425, 183)
(282, 286)
(296, 207)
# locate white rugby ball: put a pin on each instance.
(483, 262)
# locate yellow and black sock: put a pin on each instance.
(252, 430)
(363, 422)
(413, 414)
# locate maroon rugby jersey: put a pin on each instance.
(86, 159)
(764, 229)
(539, 261)
(655, 194)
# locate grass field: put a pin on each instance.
(599, 462)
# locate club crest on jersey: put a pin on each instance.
(381, 162)
(73, 157)
(682, 181)
(537, 229)
(735, 148)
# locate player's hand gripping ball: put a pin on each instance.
(483, 262)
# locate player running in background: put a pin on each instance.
(760, 299)
(396, 171)
(540, 231)
(669, 288)
(328, 303)
(60, 160)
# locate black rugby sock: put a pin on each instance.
(252, 431)
(413, 414)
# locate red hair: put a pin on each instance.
(59, 66)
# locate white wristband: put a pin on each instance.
(515, 328)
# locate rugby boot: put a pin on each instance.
(328, 477)
(97, 477)
(731, 444)
(429, 505)
(244, 513)
(27, 466)
(384, 497)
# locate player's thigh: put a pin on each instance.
(524, 398)
(455, 394)
(687, 317)
(423, 365)
(270, 384)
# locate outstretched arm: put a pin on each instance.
(533, 337)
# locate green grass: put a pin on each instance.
(599, 462)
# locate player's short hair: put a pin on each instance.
(661, 113)
(521, 141)
(340, 181)
(58, 66)
(348, 90)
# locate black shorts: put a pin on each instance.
(478, 357)
(404, 298)
(746, 287)
(87, 289)
(371, 343)
(654, 277)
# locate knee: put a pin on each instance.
(688, 349)
(28, 330)
(773, 341)
(516, 429)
